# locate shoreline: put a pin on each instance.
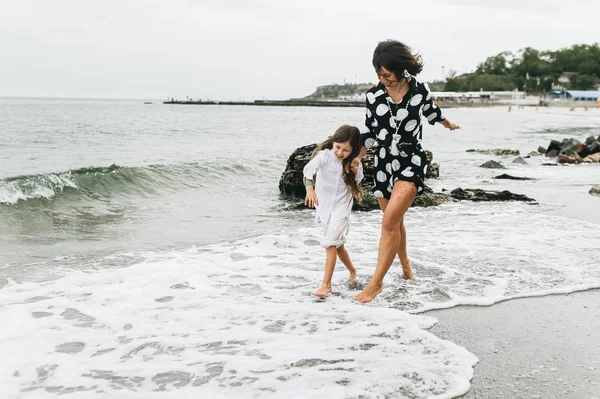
(534, 347)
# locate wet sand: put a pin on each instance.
(544, 347)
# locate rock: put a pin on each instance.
(520, 161)
(488, 195)
(569, 146)
(593, 158)
(554, 146)
(542, 150)
(574, 158)
(432, 171)
(429, 198)
(588, 149)
(595, 190)
(590, 140)
(497, 151)
(492, 165)
(552, 153)
(509, 177)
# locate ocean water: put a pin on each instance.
(146, 252)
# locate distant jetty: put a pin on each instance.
(270, 103)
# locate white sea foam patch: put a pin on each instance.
(482, 253)
(229, 320)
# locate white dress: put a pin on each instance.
(334, 196)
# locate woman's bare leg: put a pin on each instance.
(402, 196)
(402, 252)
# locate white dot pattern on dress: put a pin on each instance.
(381, 176)
(410, 125)
(382, 109)
(401, 114)
(416, 100)
(407, 172)
(416, 160)
(371, 98)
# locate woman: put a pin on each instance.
(394, 110)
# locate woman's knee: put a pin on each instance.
(389, 226)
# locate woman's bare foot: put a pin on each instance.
(407, 272)
(369, 293)
(322, 291)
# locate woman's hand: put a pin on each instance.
(311, 198)
(449, 125)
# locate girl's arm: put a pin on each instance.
(309, 172)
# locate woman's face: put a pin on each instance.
(387, 78)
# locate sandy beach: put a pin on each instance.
(543, 347)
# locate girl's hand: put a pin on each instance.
(311, 198)
(355, 164)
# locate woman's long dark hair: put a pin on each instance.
(342, 134)
(397, 57)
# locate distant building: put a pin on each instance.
(574, 95)
(480, 96)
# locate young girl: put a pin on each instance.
(332, 193)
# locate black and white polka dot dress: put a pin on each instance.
(396, 131)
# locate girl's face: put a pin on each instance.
(342, 150)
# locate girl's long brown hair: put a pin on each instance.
(342, 134)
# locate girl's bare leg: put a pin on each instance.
(330, 259)
(342, 253)
(402, 196)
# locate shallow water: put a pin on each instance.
(179, 268)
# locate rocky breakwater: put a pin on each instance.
(291, 184)
(571, 150)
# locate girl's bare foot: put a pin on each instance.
(407, 272)
(352, 275)
(322, 291)
(369, 293)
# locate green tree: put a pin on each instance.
(583, 82)
(496, 65)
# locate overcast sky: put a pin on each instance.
(255, 49)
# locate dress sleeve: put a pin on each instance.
(431, 111)
(360, 173)
(314, 165)
(367, 137)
